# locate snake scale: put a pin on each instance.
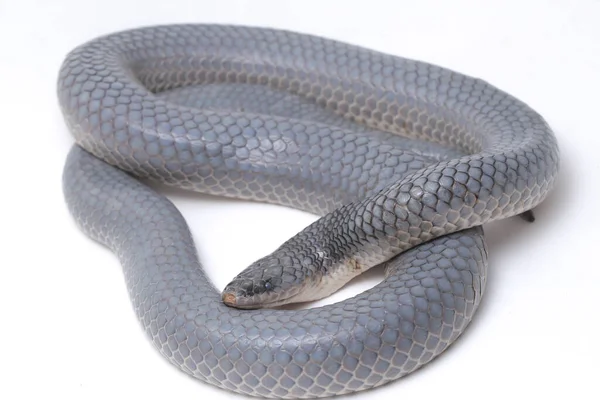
(402, 160)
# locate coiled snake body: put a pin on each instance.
(404, 161)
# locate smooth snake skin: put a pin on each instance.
(398, 156)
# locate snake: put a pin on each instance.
(401, 162)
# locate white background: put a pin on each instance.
(66, 325)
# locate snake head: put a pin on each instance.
(271, 281)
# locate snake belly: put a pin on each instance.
(403, 160)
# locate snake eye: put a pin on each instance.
(268, 285)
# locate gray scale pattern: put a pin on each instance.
(404, 161)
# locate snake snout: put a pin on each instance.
(229, 299)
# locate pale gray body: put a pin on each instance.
(313, 124)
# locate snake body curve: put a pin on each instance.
(404, 161)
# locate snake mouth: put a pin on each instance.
(265, 300)
(241, 302)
